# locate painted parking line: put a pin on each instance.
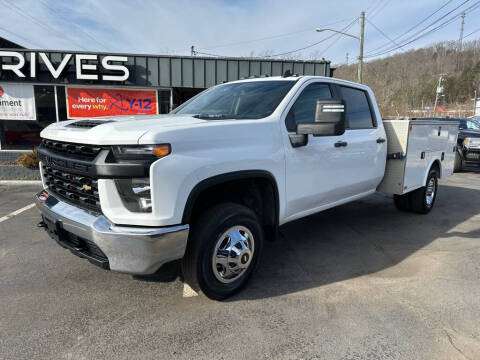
(16, 212)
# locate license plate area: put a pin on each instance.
(53, 228)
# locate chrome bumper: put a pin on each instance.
(133, 250)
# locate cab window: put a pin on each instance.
(303, 110)
(359, 115)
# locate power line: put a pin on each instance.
(54, 11)
(381, 32)
(292, 51)
(271, 37)
(380, 9)
(20, 37)
(414, 26)
(21, 12)
(473, 32)
(412, 39)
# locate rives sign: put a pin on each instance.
(83, 70)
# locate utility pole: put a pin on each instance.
(439, 91)
(360, 55)
(347, 58)
(192, 50)
(460, 39)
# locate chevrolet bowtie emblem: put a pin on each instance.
(86, 187)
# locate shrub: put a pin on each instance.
(29, 160)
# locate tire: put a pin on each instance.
(458, 164)
(423, 199)
(402, 202)
(212, 234)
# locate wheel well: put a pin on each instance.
(256, 191)
(437, 166)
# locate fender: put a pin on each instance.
(432, 162)
(222, 178)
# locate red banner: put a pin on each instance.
(94, 102)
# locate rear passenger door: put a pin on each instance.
(366, 141)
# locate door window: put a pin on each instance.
(359, 115)
(303, 110)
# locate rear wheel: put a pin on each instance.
(223, 250)
(423, 199)
(458, 164)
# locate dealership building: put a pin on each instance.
(38, 87)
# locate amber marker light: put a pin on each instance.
(161, 150)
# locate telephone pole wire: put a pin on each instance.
(362, 38)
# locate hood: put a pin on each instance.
(124, 130)
(469, 134)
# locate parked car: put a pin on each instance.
(468, 146)
(215, 178)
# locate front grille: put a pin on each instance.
(88, 123)
(80, 151)
(78, 189)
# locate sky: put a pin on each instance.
(228, 27)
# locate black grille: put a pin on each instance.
(81, 151)
(78, 189)
(88, 123)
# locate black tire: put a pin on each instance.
(402, 202)
(458, 164)
(206, 232)
(418, 198)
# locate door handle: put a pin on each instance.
(341, 143)
(380, 140)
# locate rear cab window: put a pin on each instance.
(359, 110)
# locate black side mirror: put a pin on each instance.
(329, 119)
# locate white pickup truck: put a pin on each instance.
(214, 179)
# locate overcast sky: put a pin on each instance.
(224, 27)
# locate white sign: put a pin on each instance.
(17, 102)
(17, 65)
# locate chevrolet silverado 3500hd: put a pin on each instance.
(212, 180)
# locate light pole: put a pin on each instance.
(359, 38)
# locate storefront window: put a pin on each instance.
(25, 134)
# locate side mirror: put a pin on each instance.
(329, 119)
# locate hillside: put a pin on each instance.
(405, 83)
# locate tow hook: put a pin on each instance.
(41, 224)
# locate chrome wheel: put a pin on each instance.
(233, 254)
(431, 190)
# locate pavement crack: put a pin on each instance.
(450, 340)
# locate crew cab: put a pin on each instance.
(211, 181)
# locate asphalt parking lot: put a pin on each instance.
(362, 281)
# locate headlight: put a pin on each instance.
(135, 194)
(140, 152)
(471, 143)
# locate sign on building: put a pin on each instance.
(95, 102)
(17, 102)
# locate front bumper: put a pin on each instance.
(128, 249)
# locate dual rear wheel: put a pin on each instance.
(421, 200)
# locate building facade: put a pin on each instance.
(38, 87)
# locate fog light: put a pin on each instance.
(135, 194)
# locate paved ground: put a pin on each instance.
(362, 281)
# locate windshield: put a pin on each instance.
(469, 125)
(244, 100)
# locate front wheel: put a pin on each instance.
(423, 199)
(223, 250)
